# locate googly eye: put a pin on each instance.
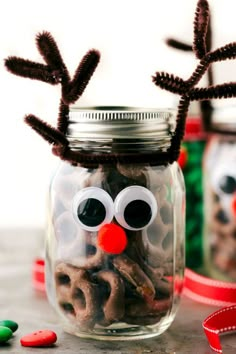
(224, 180)
(135, 208)
(92, 208)
(228, 184)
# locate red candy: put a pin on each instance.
(42, 338)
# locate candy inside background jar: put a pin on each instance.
(113, 248)
(220, 181)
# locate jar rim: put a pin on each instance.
(117, 122)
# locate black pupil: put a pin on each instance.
(91, 212)
(137, 213)
(228, 184)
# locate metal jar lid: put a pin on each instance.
(120, 123)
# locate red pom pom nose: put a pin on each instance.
(112, 238)
(233, 205)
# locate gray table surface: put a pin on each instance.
(20, 302)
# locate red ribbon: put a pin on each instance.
(221, 321)
(38, 276)
(208, 291)
(213, 292)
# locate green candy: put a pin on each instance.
(10, 324)
(5, 334)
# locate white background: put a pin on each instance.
(129, 35)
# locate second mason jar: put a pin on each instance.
(220, 196)
(115, 245)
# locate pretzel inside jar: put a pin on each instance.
(122, 271)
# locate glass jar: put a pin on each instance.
(220, 198)
(115, 245)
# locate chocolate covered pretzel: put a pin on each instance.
(77, 295)
(132, 272)
(113, 305)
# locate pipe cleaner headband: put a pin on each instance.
(55, 72)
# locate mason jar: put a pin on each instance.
(220, 197)
(115, 244)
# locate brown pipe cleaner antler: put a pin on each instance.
(206, 106)
(186, 88)
(55, 72)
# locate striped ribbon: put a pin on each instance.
(217, 293)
